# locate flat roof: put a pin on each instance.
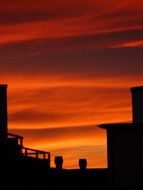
(121, 126)
(137, 88)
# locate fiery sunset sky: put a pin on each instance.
(69, 66)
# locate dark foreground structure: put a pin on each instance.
(25, 168)
(125, 146)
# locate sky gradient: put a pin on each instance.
(69, 66)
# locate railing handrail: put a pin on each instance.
(40, 151)
(16, 136)
(25, 149)
(36, 152)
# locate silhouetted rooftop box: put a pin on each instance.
(124, 145)
(137, 104)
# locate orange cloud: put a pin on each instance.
(68, 105)
(70, 64)
(132, 44)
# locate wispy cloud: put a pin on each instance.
(67, 106)
(54, 19)
(69, 64)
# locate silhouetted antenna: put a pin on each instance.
(3, 112)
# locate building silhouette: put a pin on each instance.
(16, 161)
(125, 146)
(23, 167)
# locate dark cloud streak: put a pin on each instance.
(32, 116)
(91, 54)
(59, 133)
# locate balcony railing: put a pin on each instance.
(28, 152)
(17, 138)
(35, 153)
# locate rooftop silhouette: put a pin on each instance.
(30, 168)
(124, 146)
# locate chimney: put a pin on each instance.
(3, 112)
(137, 104)
(58, 162)
(82, 164)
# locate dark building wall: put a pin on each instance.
(125, 156)
(137, 104)
(3, 112)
